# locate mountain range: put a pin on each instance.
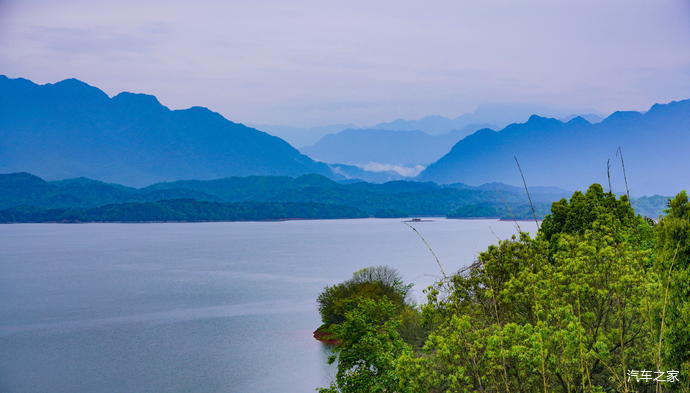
(653, 147)
(28, 198)
(404, 148)
(71, 129)
(500, 115)
(396, 198)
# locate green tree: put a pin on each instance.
(674, 262)
(371, 346)
(567, 311)
(373, 282)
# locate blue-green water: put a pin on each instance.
(209, 307)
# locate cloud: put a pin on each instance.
(406, 171)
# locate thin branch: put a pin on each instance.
(524, 182)
(608, 173)
(625, 176)
(474, 265)
(494, 233)
(438, 262)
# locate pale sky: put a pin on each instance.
(320, 62)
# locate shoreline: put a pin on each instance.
(405, 219)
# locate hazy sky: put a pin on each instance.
(318, 62)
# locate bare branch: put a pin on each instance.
(619, 152)
(438, 262)
(534, 213)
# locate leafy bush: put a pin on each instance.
(373, 283)
(371, 346)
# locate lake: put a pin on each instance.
(196, 307)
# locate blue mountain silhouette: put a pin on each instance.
(71, 129)
(573, 154)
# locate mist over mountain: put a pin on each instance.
(375, 172)
(406, 148)
(590, 117)
(499, 115)
(72, 129)
(573, 154)
(302, 136)
(489, 115)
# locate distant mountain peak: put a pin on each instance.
(541, 120)
(483, 132)
(623, 116)
(578, 121)
(201, 109)
(678, 106)
(7, 79)
(138, 99)
(73, 83)
(76, 88)
(206, 113)
(590, 117)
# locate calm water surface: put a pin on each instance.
(210, 307)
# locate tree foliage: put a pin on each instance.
(674, 265)
(372, 283)
(597, 292)
(183, 210)
(370, 349)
